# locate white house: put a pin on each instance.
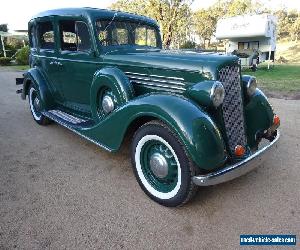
(251, 35)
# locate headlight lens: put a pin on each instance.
(251, 86)
(217, 94)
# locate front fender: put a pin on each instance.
(258, 116)
(113, 79)
(35, 76)
(195, 129)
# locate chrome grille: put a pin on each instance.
(162, 83)
(233, 113)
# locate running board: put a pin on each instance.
(74, 124)
(67, 119)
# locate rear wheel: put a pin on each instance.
(161, 165)
(35, 106)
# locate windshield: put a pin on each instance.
(112, 33)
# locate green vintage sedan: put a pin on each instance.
(193, 118)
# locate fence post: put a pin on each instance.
(3, 47)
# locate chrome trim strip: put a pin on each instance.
(166, 77)
(168, 87)
(54, 118)
(156, 80)
(233, 171)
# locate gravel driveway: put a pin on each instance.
(59, 191)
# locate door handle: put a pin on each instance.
(56, 63)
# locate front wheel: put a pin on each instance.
(35, 106)
(161, 165)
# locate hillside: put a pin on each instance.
(289, 51)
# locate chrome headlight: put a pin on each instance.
(251, 86)
(217, 94)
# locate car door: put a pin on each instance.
(47, 55)
(77, 62)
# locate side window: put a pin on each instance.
(46, 35)
(140, 36)
(83, 37)
(32, 38)
(145, 36)
(119, 36)
(68, 35)
(74, 36)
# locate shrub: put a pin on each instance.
(10, 50)
(4, 61)
(22, 56)
(188, 45)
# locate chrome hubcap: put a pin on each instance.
(107, 104)
(159, 165)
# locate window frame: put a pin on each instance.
(32, 32)
(142, 23)
(73, 19)
(249, 44)
(38, 23)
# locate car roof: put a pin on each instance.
(94, 13)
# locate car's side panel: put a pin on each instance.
(198, 133)
(76, 69)
(45, 59)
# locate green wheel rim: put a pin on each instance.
(162, 184)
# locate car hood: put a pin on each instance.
(174, 60)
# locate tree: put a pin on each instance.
(133, 6)
(205, 24)
(296, 28)
(3, 27)
(286, 23)
(172, 16)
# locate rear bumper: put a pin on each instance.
(233, 171)
(19, 81)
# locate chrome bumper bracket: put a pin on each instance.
(233, 171)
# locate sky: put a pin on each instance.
(17, 13)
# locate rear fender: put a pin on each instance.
(36, 77)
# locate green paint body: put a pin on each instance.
(76, 85)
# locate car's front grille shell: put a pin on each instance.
(233, 113)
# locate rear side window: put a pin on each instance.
(46, 35)
(32, 38)
(74, 36)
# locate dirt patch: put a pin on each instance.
(294, 95)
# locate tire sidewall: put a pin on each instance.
(179, 194)
(38, 117)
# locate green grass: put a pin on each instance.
(280, 78)
(15, 67)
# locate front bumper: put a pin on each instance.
(233, 171)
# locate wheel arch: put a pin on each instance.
(36, 77)
(117, 81)
(193, 127)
